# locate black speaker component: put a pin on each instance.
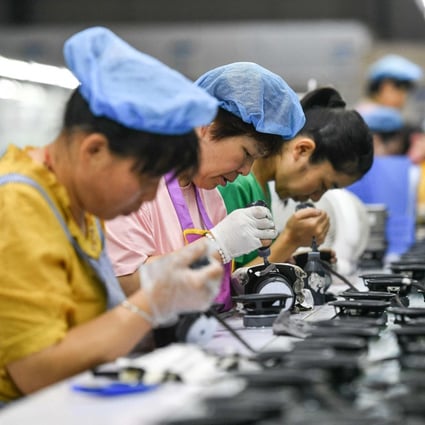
(353, 321)
(413, 379)
(279, 377)
(408, 334)
(400, 286)
(342, 368)
(409, 268)
(195, 328)
(372, 308)
(276, 278)
(407, 315)
(367, 276)
(261, 310)
(370, 295)
(366, 332)
(344, 343)
(413, 361)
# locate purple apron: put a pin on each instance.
(191, 234)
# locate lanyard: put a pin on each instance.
(191, 234)
(180, 205)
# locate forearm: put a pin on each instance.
(111, 335)
(130, 283)
(282, 248)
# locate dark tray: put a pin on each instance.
(369, 295)
(360, 307)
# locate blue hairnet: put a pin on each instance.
(257, 96)
(396, 67)
(133, 88)
(382, 119)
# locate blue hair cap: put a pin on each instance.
(133, 88)
(257, 96)
(396, 67)
(382, 119)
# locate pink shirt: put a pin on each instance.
(155, 228)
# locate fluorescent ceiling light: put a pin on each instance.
(421, 6)
(37, 73)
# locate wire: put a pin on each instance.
(339, 276)
(418, 285)
(214, 313)
(398, 301)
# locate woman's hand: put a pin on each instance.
(172, 285)
(244, 230)
(306, 223)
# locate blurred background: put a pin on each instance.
(307, 42)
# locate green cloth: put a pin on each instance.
(238, 194)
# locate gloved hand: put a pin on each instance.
(172, 287)
(243, 230)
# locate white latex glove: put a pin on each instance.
(243, 230)
(173, 287)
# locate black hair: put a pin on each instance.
(388, 137)
(374, 86)
(407, 132)
(227, 124)
(326, 97)
(154, 154)
(341, 136)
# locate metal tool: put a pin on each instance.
(264, 251)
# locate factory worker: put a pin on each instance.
(61, 309)
(387, 127)
(332, 150)
(258, 110)
(392, 181)
(389, 82)
(401, 151)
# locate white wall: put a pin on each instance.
(327, 51)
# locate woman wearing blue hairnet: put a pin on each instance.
(258, 110)
(387, 127)
(389, 82)
(332, 150)
(62, 310)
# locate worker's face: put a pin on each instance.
(108, 186)
(392, 95)
(298, 179)
(223, 160)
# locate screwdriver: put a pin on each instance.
(263, 251)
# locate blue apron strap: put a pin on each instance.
(102, 266)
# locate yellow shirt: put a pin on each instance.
(45, 288)
(421, 194)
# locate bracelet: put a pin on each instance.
(224, 260)
(132, 307)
